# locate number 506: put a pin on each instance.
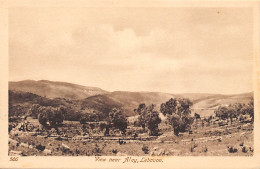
(13, 158)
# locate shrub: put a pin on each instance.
(205, 149)
(244, 149)
(102, 126)
(231, 149)
(40, 147)
(145, 149)
(121, 142)
(114, 151)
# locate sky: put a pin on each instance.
(172, 50)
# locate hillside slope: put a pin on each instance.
(52, 89)
(203, 104)
(95, 98)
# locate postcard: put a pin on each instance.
(129, 84)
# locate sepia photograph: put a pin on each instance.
(135, 82)
(157, 81)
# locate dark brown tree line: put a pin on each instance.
(236, 111)
(48, 116)
(176, 110)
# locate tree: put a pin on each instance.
(141, 110)
(102, 126)
(232, 112)
(221, 112)
(84, 118)
(152, 120)
(94, 116)
(34, 110)
(53, 116)
(148, 117)
(228, 112)
(209, 119)
(57, 116)
(249, 109)
(235, 110)
(90, 116)
(42, 116)
(117, 120)
(197, 116)
(178, 114)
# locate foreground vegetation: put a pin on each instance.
(235, 139)
(44, 129)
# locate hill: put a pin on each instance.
(207, 105)
(98, 99)
(204, 104)
(127, 101)
(51, 89)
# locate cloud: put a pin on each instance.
(186, 52)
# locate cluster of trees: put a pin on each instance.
(16, 112)
(21, 97)
(115, 120)
(235, 111)
(18, 97)
(69, 113)
(48, 116)
(53, 116)
(176, 110)
(74, 108)
(148, 117)
(92, 116)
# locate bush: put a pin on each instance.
(244, 149)
(231, 149)
(83, 119)
(193, 146)
(145, 149)
(102, 126)
(40, 147)
(205, 149)
(114, 151)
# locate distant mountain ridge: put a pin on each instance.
(51, 89)
(101, 100)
